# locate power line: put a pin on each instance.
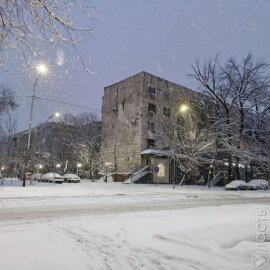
(42, 108)
(66, 103)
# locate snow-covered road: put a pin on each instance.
(115, 226)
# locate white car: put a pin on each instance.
(256, 184)
(236, 185)
(71, 178)
(53, 178)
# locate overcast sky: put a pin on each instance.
(162, 37)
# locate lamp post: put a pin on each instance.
(183, 108)
(42, 69)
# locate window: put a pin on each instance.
(151, 126)
(167, 112)
(115, 109)
(151, 108)
(152, 91)
(150, 143)
(166, 95)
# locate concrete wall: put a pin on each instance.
(121, 124)
(125, 118)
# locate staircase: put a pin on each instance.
(137, 175)
(221, 176)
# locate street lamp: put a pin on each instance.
(41, 69)
(54, 116)
(79, 165)
(58, 165)
(182, 109)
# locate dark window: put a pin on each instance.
(150, 143)
(14, 141)
(151, 108)
(152, 91)
(151, 126)
(166, 95)
(167, 112)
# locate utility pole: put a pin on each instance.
(31, 114)
(41, 70)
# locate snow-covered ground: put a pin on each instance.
(116, 226)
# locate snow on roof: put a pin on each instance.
(159, 152)
(154, 151)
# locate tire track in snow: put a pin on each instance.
(117, 254)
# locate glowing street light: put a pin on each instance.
(58, 165)
(55, 115)
(79, 165)
(183, 108)
(42, 69)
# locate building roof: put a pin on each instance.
(144, 72)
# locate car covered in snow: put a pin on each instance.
(256, 184)
(236, 185)
(53, 178)
(71, 178)
(37, 177)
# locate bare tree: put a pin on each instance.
(26, 24)
(239, 93)
(8, 125)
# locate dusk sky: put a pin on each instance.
(162, 37)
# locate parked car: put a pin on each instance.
(71, 178)
(236, 185)
(37, 177)
(53, 178)
(256, 184)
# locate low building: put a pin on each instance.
(53, 143)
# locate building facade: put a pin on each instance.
(136, 114)
(53, 143)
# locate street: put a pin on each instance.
(115, 226)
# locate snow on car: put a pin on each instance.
(37, 177)
(71, 178)
(256, 184)
(236, 185)
(53, 178)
